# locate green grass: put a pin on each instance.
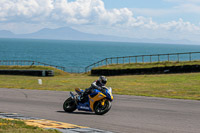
(183, 86)
(16, 126)
(148, 65)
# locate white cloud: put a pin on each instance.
(94, 14)
(89, 12)
(188, 8)
(153, 12)
(76, 12)
(180, 26)
(12, 10)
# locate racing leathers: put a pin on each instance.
(95, 85)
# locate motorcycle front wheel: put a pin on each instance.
(69, 105)
(102, 109)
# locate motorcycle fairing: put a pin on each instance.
(98, 96)
(109, 95)
(84, 106)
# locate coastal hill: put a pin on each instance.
(66, 33)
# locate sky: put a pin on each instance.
(150, 19)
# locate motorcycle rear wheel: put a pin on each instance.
(99, 109)
(69, 105)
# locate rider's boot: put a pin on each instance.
(83, 96)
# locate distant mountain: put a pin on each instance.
(6, 34)
(66, 33)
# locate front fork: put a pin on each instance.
(73, 97)
(103, 102)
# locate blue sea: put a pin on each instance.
(79, 54)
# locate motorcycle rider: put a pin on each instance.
(98, 84)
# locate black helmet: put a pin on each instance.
(103, 80)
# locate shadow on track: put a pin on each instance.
(79, 113)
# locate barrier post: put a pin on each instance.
(168, 57)
(150, 58)
(135, 59)
(142, 59)
(178, 57)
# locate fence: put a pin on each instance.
(189, 56)
(27, 63)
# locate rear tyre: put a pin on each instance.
(99, 109)
(69, 105)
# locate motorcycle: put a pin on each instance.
(97, 101)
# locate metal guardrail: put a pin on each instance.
(27, 72)
(188, 56)
(27, 63)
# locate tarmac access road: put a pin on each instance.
(129, 114)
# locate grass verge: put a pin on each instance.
(16, 126)
(181, 86)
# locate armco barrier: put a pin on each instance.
(28, 72)
(154, 70)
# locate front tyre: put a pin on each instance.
(102, 109)
(69, 105)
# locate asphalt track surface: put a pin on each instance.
(129, 114)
